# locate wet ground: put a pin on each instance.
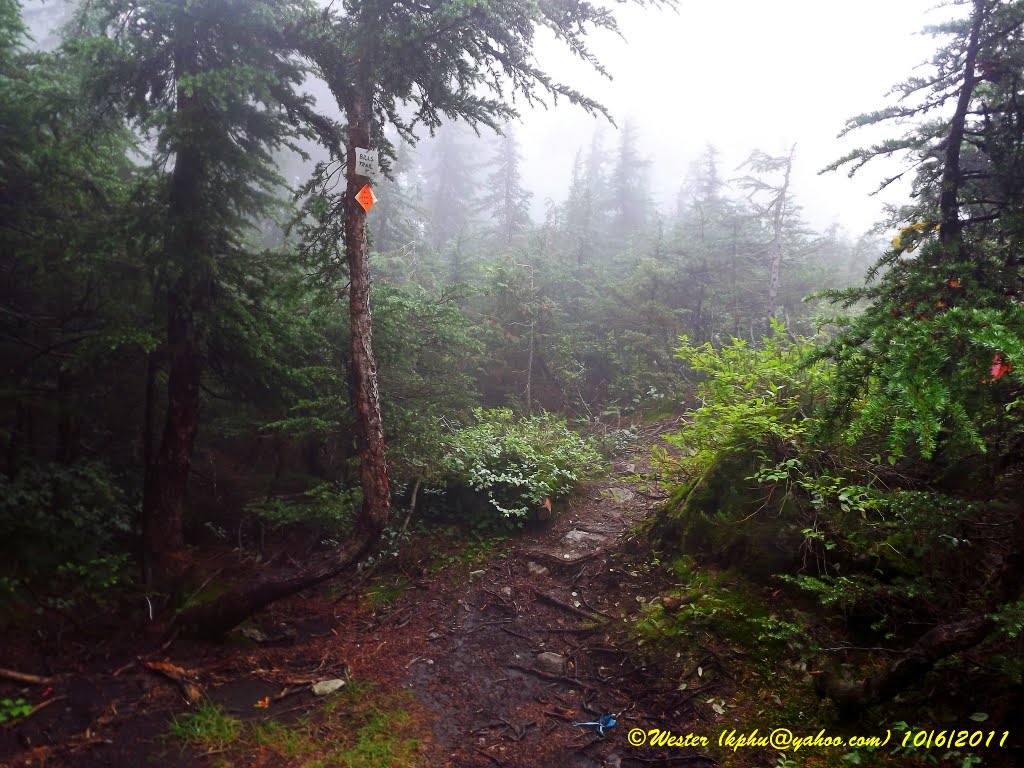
(500, 657)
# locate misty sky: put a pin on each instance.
(742, 74)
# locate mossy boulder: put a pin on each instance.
(731, 521)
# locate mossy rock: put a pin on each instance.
(724, 518)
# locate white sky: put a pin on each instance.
(744, 75)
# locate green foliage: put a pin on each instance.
(726, 609)
(12, 709)
(69, 515)
(944, 306)
(517, 463)
(426, 353)
(473, 551)
(328, 505)
(365, 731)
(761, 395)
(924, 381)
(385, 590)
(1010, 619)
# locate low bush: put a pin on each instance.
(515, 463)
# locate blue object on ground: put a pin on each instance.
(606, 721)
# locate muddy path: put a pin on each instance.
(496, 660)
(533, 644)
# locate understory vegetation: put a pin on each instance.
(191, 393)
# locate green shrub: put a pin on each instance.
(55, 514)
(327, 505)
(515, 463)
(751, 395)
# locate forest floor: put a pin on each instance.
(480, 654)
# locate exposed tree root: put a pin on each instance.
(935, 645)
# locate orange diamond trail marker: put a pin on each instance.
(366, 198)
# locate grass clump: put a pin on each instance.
(355, 728)
(209, 727)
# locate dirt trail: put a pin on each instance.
(500, 661)
(532, 645)
(540, 609)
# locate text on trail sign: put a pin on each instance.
(366, 163)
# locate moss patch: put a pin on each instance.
(732, 521)
(356, 728)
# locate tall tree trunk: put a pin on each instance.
(373, 474)
(949, 206)
(149, 412)
(67, 419)
(167, 477)
(215, 618)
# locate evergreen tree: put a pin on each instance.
(587, 205)
(953, 272)
(378, 57)
(629, 186)
(397, 221)
(452, 198)
(933, 364)
(630, 198)
(207, 83)
(506, 201)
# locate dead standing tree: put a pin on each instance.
(771, 203)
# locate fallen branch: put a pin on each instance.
(189, 689)
(24, 677)
(552, 677)
(591, 608)
(512, 632)
(570, 630)
(556, 715)
(551, 600)
(490, 757)
(290, 691)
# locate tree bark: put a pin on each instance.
(216, 618)
(373, 474)
(213, 620)
(166, 479)
(949, 206)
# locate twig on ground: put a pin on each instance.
(490, 757)
(512, 632)
(24, 677)
(592, 608)
(553, 678)
(551, 600)
(189, 688)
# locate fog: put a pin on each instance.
(740, 75)
(743, 74)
